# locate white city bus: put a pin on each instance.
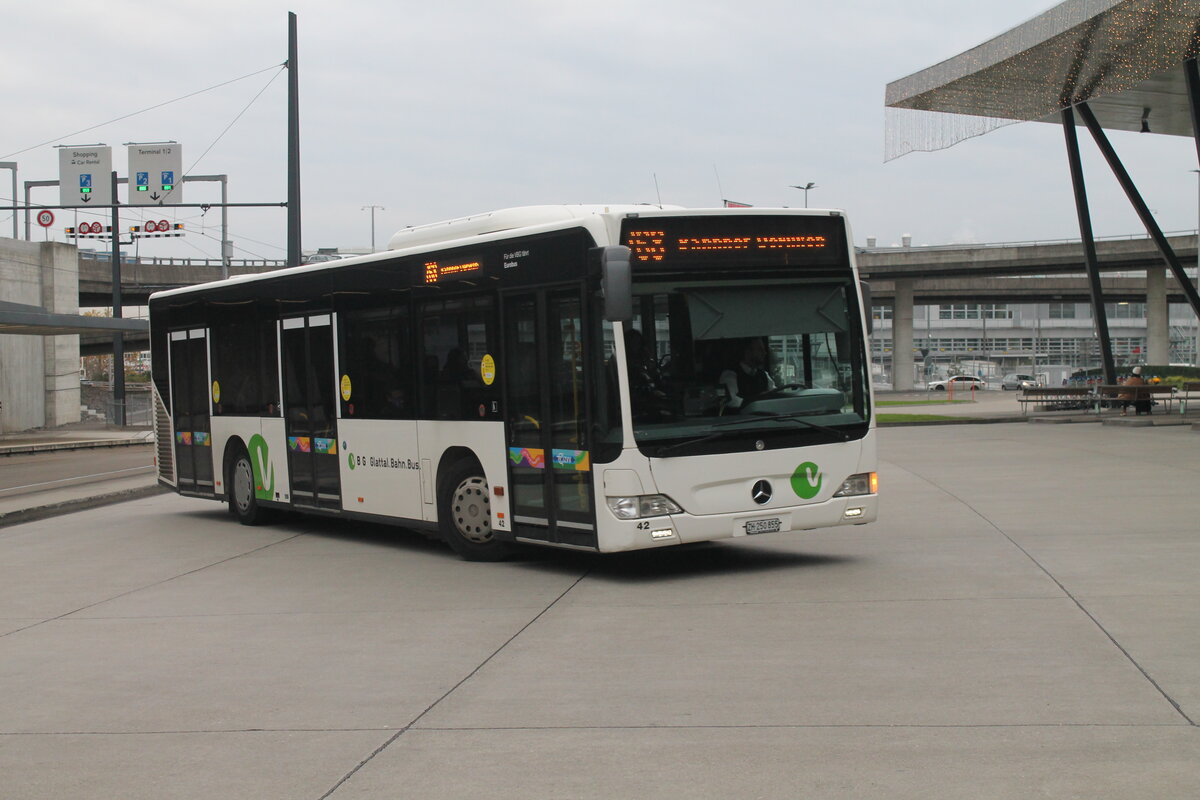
(555, 375)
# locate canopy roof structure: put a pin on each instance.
(1118, 64)
(1124, 58)
(21, 319)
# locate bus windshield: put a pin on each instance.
(710, 366)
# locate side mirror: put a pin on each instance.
(868, 310)
(616, 284)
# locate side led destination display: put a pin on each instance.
(730, 240)
(436, 272)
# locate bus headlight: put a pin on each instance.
(862, 483)
(646, 505)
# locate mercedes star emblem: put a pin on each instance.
(761, 492)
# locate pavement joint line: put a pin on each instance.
(128, 592)
(747, 726)
(453, 688)
(1067, 592)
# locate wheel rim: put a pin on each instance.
(243, 485)
(471, 510)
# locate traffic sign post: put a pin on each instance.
(155, 170)
(83, 175)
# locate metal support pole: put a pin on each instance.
(293, 201)
(13, 166)
(1139, 205)
(1193, 83)
(118, 371)
(1089, 246)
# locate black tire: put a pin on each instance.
(940, 388)
(465, 514)
(243, 504)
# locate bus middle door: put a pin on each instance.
(548, 456)
(310, 412)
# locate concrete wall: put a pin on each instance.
(39, 375)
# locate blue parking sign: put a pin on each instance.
(85, 180)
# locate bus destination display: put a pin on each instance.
(793, 240)
(435, 271)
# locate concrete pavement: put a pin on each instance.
(1021, 622)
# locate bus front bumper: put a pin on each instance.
(688, 528)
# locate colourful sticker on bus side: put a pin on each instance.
(300, 444)
(527, 457)
(577, 460)
(325, 446)
(201, 439)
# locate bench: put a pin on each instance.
(1188, 393)
(1057, 398)
(1141, 396)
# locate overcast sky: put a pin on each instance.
(439, 110)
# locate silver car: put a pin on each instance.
(1017, 381)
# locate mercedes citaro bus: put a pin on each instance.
(601, 378)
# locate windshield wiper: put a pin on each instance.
(756, 416)
(795, 417)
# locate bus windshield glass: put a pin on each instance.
(711, 365)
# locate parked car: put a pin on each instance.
(959, 383)
(1017, 381)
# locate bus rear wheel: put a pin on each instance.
(465, 514)
(243, 503)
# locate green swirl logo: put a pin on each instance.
(806, 480)
(260, 462)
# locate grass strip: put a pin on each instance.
(914, 418)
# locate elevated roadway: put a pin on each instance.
(978, 273)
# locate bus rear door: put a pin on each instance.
(190, 410)
(310, 413)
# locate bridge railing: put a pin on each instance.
(182, 262)
(1027, 243)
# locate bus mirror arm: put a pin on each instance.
(867, 309)
(616, 284)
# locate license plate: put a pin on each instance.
(763, 526)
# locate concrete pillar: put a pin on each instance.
(902, 337)
(60, 295)
(1158, 339)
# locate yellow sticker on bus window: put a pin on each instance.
(487, 370)
(346, 388)
(216, 391)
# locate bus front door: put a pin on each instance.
(190, 411)
(310, 412)
(548, 453)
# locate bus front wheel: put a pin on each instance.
(465, 514)
(243, 503)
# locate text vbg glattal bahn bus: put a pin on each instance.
(474, 380)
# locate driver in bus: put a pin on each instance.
(749, 378)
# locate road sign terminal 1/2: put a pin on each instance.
(154, 171)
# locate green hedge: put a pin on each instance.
(1173, 375)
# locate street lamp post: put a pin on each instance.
(373, 208)
(805, 188)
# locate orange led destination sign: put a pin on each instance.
(435, 272)
(655, 245)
